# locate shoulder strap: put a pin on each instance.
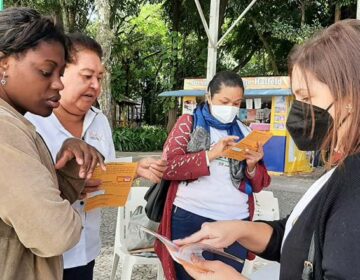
(308, 271)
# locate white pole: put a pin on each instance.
(214, 33)
(203, 20)
(237, 21)
(358, 10)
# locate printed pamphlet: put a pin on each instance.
(184, 254)
(250, 142)
(115, 187)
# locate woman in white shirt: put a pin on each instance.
(76, 117)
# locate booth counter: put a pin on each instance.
(266, 106)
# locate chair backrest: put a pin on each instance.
(266, 206)
(135, 199)
(123, 159)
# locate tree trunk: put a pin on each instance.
(337, 12)
(172, 116)
(176, 73)
(64, 15)
(303, 9)
(72, 19)
(104, 37)
(69, 10)
(223, 6)
(244, 61)
(267, 48)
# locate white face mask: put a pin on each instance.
(223, 113)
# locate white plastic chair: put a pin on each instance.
(258, 264)
(136, 198)
(266, 206)
(266, 209)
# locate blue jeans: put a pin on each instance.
(185, 223)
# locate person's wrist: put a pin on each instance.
(238, 233)
(211, 155)
(250, 167)
(251, 170)
(241, 230)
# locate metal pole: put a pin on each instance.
(203, 20)
(358, 10)
(214, 33)
(236, 22)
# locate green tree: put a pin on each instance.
(73, 14)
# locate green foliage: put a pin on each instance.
(140, 60)
(343, 3)
(158, 43)
(51, 7)
(293, 34)
(144, 139)
(170, 103)
(73, 14)
(149, 57)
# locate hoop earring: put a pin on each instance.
(348, 108)
(3, 80)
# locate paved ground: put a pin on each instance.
(287, 189)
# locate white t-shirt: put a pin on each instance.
(96, 132)
(214, 196)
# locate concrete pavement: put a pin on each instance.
(287, 189)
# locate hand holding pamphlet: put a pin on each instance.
(250, 142)
(184, 254)
(115, 187)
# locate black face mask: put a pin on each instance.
(299, 124)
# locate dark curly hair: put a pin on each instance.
(22, 29)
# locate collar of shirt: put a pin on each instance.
(89, 118)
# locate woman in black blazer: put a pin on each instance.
(321, 237)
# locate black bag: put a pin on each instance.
(156, 197)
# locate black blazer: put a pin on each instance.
(334, 216)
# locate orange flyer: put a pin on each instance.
(250, 142)
(115, 187)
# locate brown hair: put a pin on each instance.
(80, 42)
(333, 57)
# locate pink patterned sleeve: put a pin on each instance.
(261, 178)
(182, 165)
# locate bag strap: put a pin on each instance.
(308, 271)
(137, 211)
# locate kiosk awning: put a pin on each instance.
(182, 93)
(249, 92)
(267, 92)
